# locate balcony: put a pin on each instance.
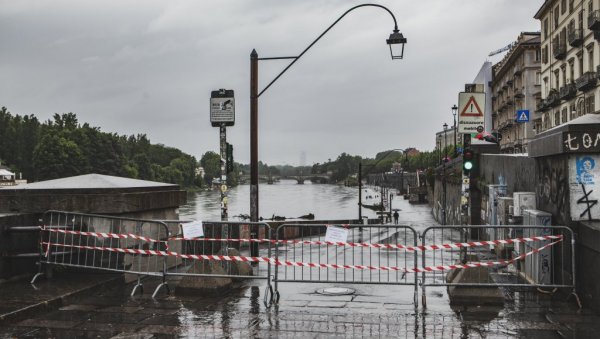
(575, 37)
(518, 69)
(509, 82)
(559, 50)
(553, 98)
(568, 91)
(594, 20)
(541, 106)
(509, 101)
(586, 81)
(519, 93)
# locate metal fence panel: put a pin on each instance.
(104, 242)
(230, 239)
(373, 254)
(510, 256)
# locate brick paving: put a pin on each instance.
(109, 312)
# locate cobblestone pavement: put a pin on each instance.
(107, 311)
(378, 311)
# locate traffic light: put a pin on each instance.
(468, 161)
(229, 158)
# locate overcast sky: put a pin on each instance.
(149, 66)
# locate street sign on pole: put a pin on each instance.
(522, 116)
(222, 108)
(471, 115)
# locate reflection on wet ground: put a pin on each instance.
(302, 312)
(371, 311)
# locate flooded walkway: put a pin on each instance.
(107, 311)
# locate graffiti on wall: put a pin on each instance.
(585, 173)
(552, 188)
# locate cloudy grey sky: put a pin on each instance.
(148, 67)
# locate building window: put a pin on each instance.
(571, 71)
(571, 3)
(538, 78)
(537, 55)
(556, 15)
(556, 118)
(573, 112)
(580, 62)
(564, 115)
(590, 106)
(564, 74)
(591, 58)
(545, 31)
(545, 54)
(556, 79)
(563, 6)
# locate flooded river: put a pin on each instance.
(284, 198)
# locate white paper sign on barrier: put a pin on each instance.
(192, 229)
(336, 234)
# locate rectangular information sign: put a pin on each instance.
(471, 108)
(192, 229)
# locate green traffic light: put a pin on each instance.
(468, 165)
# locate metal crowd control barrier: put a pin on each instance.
(371, 255)
(224, 252)
(500, 256)
(104, 242)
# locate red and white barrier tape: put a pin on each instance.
(418, 248)
(102, 235)
(303, 264)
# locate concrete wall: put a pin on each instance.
(517, 172)
(453, 175)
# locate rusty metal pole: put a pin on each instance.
(254, 149)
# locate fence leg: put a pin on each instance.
(37, 275)
(139, 284)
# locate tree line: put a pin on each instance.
(62, 147)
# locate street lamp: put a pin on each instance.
(454, 109)
(396, 42)
(444, 176)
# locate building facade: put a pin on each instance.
(570, 60)
(516, 87)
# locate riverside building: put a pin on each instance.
(516, 87)
(570, 59)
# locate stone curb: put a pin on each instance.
(56, 302)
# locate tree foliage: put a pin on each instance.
(62, 147)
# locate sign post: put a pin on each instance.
(471, 118)
(222, 114)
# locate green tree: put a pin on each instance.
(211, 162)
(55, 157)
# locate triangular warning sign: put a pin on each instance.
(471, 109)
(523, 117)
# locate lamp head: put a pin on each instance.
(396, 43)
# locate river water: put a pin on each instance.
(284, 198)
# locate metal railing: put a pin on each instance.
(500, 256)
(372, 254)
(103, 242)
(223, 252)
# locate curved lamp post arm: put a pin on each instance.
(318, 38)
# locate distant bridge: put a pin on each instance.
(300, 179)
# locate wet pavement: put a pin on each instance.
(97, 308)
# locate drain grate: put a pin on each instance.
(336, 291)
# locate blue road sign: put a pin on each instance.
(522, 116)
